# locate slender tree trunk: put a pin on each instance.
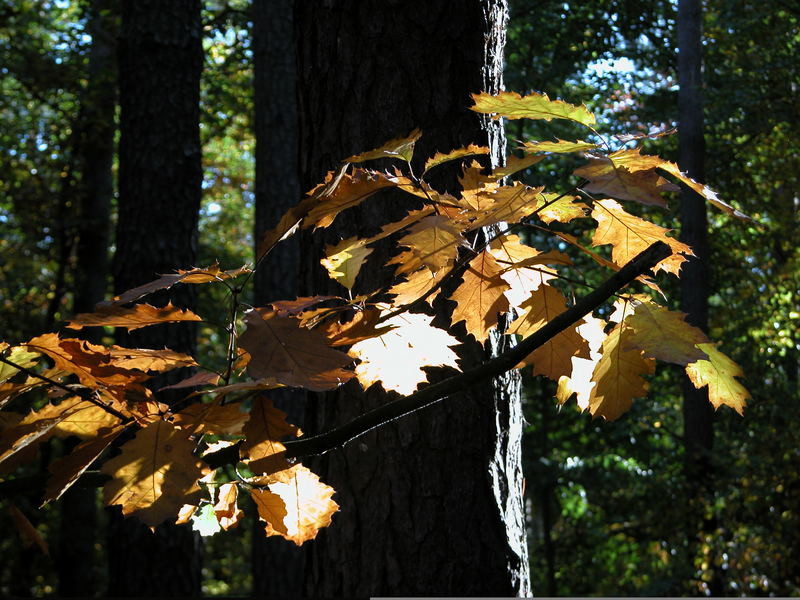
(277, 567)
(76, 573)
(159, 198)
(431, 504)
(695, 285)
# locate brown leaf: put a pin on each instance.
(664, 334)
(145, 359)
(29, 534)
(480, 298)
(363, 325)
(351, 191)
(609, 179)
(434, 241)
(140, 315)
(402, 148)
(264, 431)
(155, 474)
(66, 470)
(214, 418)
(415, 286)
(195, 275)
(294, 356)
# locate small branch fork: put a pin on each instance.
(320, 444)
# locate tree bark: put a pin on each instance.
(431, 504)
(78, 528)
(160, 178)
(277, 567)
(698, 413)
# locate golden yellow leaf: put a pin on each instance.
(434, 241)
(135, 317)
(294, 356)
(719, 373)
(344, 260)
(18, 355)
(560, 208)
(664, 334)
(439, 158)
(580, 381)
(146, 359)
(618, 375)
(476, 188)
(296, 509)
(629, 235)
(558, 147)
(214, 418)
(155, 474)
(363, 325)
(617, 181)
(480, 298)
(416, 285)
(191, 276)
(395, 359)
(509, 204)
(533, 106)
(515, 164)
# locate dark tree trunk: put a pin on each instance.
(277, 567)
(695, 285)
(159, 198)
(76, 573)
(431, 504)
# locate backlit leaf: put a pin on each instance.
(402, 148)
(629, 235)
(351, 191)
(154, 475)
(439, 158)
(395, 359)
(264, 431)
(719, 373)
(140, 315)
(558, 147)
(664, 334)
(297, 508)
(533, 106)
(434, 241)
(344, 260)
(480, 298)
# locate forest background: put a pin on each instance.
(605, 509)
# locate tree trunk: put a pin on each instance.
(76, 573)
(431, 504)
(159, 198)
(695, 286)
(277, 567)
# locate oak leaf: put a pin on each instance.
(533, 106)
(415, 286)
(480, 298)
(363, 325)
(402, 148)
(155, 474)
(617, 181)
(395, 359)
(227, 512)
(618, 375)
(664, 335)
(298, 508)
(629, 235)
(135, 317)
(719, 373)
(344, 260)
(439, 158)
(561, 208)
(279, 348)
(579, 382)
(146, 359)
(214, 418)
(351, 191)
(558, 147)
(66, 470)
(195, 275)
(19, 355)
(520, 272)
(264, 431)
(434, 241)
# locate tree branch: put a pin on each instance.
(335, 438)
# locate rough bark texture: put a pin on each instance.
(159, 199)
(698, 413)
(78, 529)
(277, 566)
(431, 504)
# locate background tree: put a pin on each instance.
(368, 72)
(160, 174)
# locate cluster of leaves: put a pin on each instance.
(174, 465)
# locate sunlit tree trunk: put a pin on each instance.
(277, 567)
(695, 285)
(431, 504)
(76, 562)
(159, 199)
